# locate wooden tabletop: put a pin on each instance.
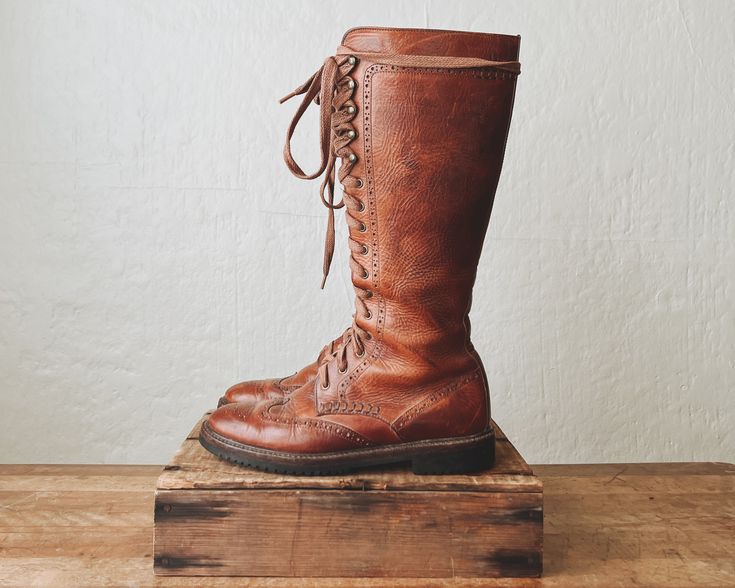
(605, 525)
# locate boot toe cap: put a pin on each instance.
(252, 392)
(231, 421)
(278, 426)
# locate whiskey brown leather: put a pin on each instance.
(253, 391)
(420, 124)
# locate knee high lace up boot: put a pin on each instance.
(419, 120)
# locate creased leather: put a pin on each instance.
(429, 148)
(254, 391)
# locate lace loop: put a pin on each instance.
(317, 88)
(331, 89)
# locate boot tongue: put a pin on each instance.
(430, 42)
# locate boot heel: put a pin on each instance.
(476, 459)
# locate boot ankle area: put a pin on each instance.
(458, 409)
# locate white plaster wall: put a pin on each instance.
(154, 249)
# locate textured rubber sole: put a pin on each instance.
(459, 455)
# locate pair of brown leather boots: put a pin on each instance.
(419, 120)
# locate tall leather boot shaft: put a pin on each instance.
(419, 120)
(428, 152)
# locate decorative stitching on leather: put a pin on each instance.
(435, 397)
(372, 199)
(354, 408)
(286, 389)
(480, 72)
(363, 408)
(331, 428)
(355, 373)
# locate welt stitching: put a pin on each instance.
(447, 442)
(481, 73)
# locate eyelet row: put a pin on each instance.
(362, 227)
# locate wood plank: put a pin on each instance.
(89, 470)
(148, 472)
(68, 572)
(77, 509)
(319, 533)
(79, 478)
(632, 547)
(640, 485)
(91, 541)
(611, 470)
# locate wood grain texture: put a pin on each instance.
(605, 525)
(213, 518)
(321, 533)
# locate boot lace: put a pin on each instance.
(332, 89)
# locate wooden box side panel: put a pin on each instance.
(332, 533)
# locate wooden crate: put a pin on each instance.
(213, 518)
